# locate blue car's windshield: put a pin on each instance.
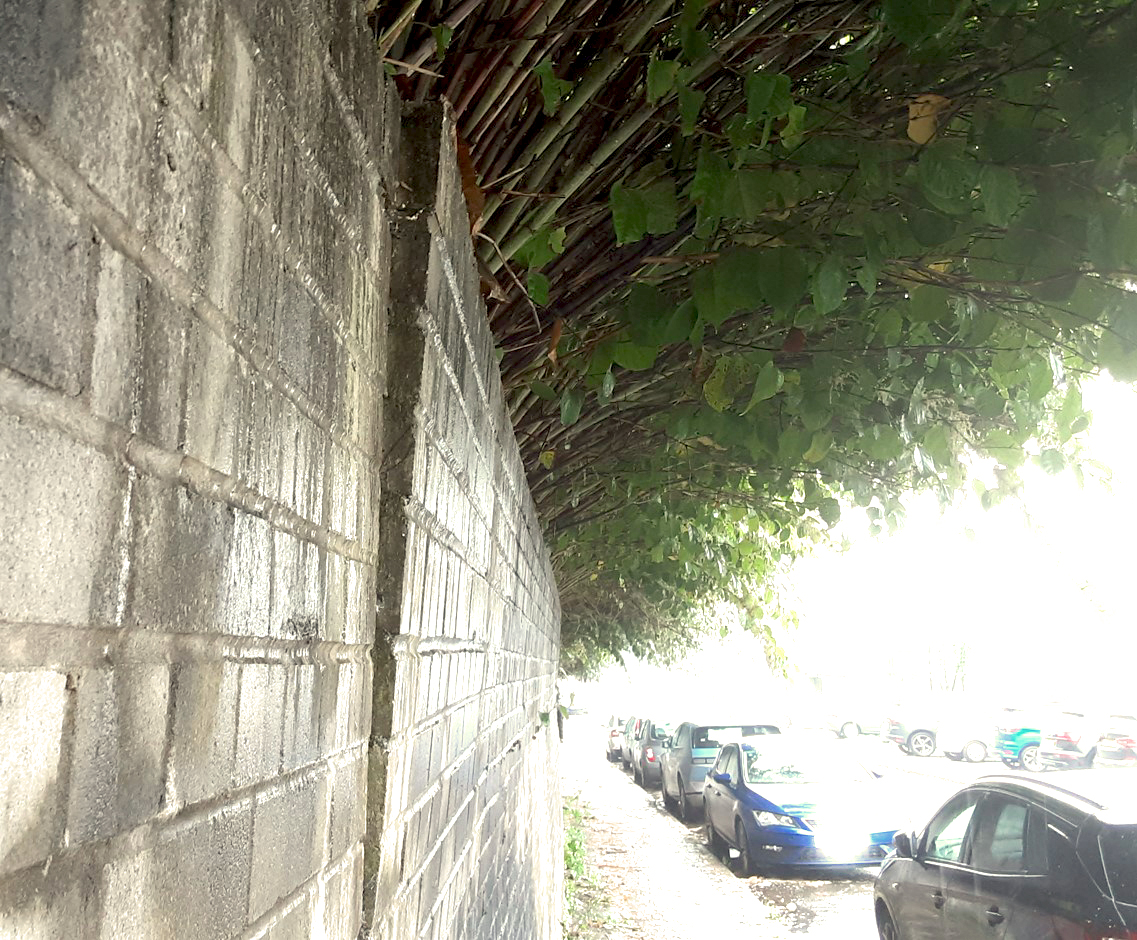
(794, 762)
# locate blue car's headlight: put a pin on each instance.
(765, 818)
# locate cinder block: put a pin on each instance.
(301, 739)
(32, 710)
(117, 772)
(296, 923)
(61, 507)
(347, 817)
(288, 840)
(178, 532)
(205, 729)
(200, 870)
(47, 318)
(342, 895)
(260, 722)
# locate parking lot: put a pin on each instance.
(659, 879)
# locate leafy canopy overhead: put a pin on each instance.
(749, 264)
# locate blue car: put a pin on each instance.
(1017, 741)
(781, 801)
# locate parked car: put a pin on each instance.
(785, 801)
(1068, 740)
(1017, 741)
(851, 722)
(972, 735)
(688, 755)
(914, 734)
(1118, 746)
(614, 738)
(646, 750)
(627, 739)
(1049, 861)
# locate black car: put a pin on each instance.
(1010, 857)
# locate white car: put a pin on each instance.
(614, 740)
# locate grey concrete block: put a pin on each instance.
(342, 893)
(288, 840)
(301, 736)
(177, 531)
(117, 770)
(33, 706)
(260, 722)
(296, 923)
(205, 697)
(47, 314)
(61, 508)
(297, 590)
(200, 871)
(346, 819)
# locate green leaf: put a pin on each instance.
(769, 382)
(882, 442)
(1052, 461)
(737, 286)
(607, 387)
(538, 287)
(546, 459)
(928, 304)
(629, 214)
(571, 403)
(442, 35)
(830, 511)
(634, 357)
(660, 78)
(767, 95)
(690, 104)
(748, 194)
(912, 21)
(829, 284)
(725, 382)
(662, 208)
(1001, 194)
(542, 248)
(783, 277)
(819, 447)
(553, 89)
(930, 228)
(648, 313)
(793, 133)
(679, 327)
(711, 181)
(542, 391)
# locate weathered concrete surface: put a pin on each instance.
(223, 447)
(463, 833)
(194, 270)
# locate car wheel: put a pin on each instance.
(904, 748)
(885, 926)
(922, 743)
(684, 806)
(709, 834)
(953, 755)
(850, 729)
(745, 860)
(975, 752)
(668, 799)
(636, 774)
(1028, 757)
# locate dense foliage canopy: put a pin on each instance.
(750, 263)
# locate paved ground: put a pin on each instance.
(660, 881)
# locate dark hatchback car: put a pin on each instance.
(646, 750)
(1018, 857)
(1118, 746)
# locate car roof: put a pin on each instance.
(1107, 794)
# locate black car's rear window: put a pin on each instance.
(1119, 856)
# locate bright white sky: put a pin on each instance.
(1045, 605)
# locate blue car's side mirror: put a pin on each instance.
(721, 778)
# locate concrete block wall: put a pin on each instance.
(194, 271)
(464, 832)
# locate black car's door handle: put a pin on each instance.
(938, 899)
(994, 917)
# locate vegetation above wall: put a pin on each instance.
(750, 263)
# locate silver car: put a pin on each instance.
(646, 749)
(614, 739)
(687, 756)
